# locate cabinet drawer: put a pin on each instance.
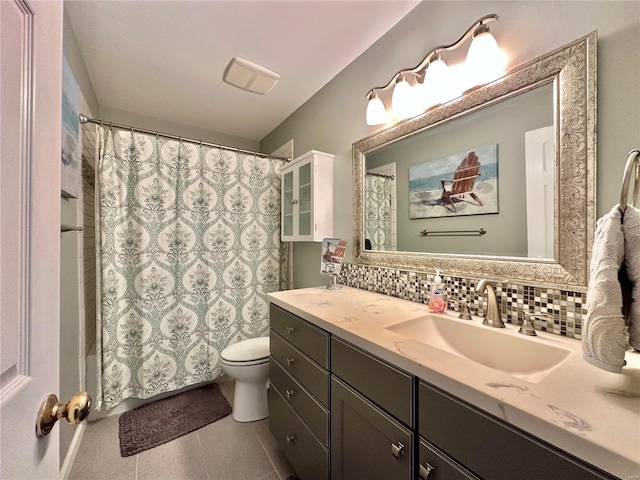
(442, 467)
(312, 412)
(308, 373)
(489, 447)
(307, 456)
(313, 341)
(390, 388)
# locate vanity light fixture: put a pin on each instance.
(433, 82)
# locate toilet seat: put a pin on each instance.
(248, 363)
(253, 351)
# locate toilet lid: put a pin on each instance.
(247, 350)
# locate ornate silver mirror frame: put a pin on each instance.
(573, 67)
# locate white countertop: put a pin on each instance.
(588, 412)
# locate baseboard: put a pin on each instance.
(65, 471)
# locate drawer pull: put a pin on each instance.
(290, 361)
(290, 439)
(425, 471)
(397, 450)
(291, 330)
(289, 393)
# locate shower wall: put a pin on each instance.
(89, 236)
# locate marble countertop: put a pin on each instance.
(588, 412)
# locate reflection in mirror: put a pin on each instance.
(508, 187)
(514, 159)
(380, 208)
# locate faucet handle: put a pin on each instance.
(527, 328)
(465, 312)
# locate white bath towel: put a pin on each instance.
(631, 231)
(604, 334)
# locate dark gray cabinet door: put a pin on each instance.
(365, 441)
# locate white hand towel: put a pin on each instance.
(631, 230)
(604, 337)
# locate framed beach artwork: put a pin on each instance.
(462, 184)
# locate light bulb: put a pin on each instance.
(435, 87)
(376, 113)
(402, 101)
(485, 61)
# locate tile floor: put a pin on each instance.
(223, 450)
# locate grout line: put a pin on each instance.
(268, 474)
(275, 469)
(206, 469)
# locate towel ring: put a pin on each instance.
(632, 163)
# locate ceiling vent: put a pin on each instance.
(247, 75)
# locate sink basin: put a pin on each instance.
(528, 358)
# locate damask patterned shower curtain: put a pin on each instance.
(188, 246)
(377, 203)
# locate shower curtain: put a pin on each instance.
(377, 201)
(188, 246)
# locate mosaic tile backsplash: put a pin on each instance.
(565, 306)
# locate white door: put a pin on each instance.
(540, 180)
(30, 133)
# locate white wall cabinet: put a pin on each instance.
(307, 198)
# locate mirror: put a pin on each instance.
(463, 187)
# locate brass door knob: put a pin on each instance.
(75, 411)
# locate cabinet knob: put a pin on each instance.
(289, 393)
(290, 439)
(294, 202)
(290, 361)
(397, 449)
(425, 471)
(291, 330)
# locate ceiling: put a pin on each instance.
(165, 59)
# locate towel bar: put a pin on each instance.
(632, 161)
(480, 231)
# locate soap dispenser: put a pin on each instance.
(438, 297)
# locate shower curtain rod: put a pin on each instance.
(85, 119)
(381, 175)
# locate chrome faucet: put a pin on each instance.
(492, 317)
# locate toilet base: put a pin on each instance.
(250, 401)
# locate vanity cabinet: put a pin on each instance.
(299, 393)
(372, 416)
(340, 412)
(489, 447)
(307, 198)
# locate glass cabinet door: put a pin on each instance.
(304, 196)
(287, 204)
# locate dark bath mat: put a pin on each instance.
(164, 420)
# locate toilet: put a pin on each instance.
(248, 362)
